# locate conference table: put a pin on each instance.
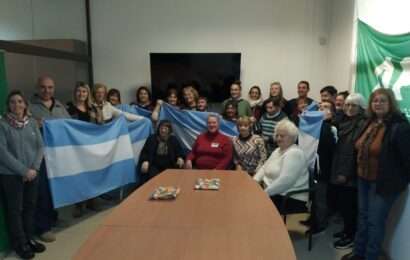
(238, 221)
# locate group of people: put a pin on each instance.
(364, 162)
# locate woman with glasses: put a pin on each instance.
(383, 169)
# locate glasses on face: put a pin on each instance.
(380, 101)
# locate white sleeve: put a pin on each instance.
(293, 166)
(261, 171)
(130, 117)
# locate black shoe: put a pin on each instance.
(344, 243)
(339, 234)
(24, 252)
(315, 231)
(351, 256)
(36, 247)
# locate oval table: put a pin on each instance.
(237, 222)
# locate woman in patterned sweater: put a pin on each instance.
(249, 149)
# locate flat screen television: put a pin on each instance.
(210, 73)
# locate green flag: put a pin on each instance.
(383, 61)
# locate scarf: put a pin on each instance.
(162, 148)
(255, 103)
(364, 147)
(16, 123)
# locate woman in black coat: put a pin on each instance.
(383, 169)
(343, 174)
(161, 151)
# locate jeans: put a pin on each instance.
(20, 204)
(373, 212)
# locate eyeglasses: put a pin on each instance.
(380, 101)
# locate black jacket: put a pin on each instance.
(345, 155)
(394, 159)
(149, 150)
(327, 141)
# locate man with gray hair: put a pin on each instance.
(44, 106)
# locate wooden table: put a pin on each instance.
(237, 222)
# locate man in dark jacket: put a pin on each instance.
(327, 142)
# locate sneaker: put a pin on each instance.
(24, 252)
(36, 247)
(315, 231)
(339, 234)
(47, 237)
(351, 256)
(344, 243)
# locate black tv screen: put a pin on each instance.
(210, 73)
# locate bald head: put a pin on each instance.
(45, 88)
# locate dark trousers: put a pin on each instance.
(20, 204)
(292, 205)
(347, 206)
(45, 216)
(320, 204)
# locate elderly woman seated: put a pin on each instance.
(212, 149)
(161, 151)
(286, 169)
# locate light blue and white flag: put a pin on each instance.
(310, 125)
(187, 125)
(133, 109)
(139, 132)
(85, 160)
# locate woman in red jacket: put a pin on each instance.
(212, 149)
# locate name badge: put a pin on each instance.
(214, 145)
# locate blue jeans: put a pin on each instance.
(373, 211)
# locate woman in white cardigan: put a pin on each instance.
(286, 169)
(104, 111)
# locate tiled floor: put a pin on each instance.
(71, 237)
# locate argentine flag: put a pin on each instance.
(85, 160)
(187, 125)
(310, 125)
(133, 109)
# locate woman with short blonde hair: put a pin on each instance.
(249, 149)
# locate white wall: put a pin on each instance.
(340, 65)
(42, 19)
(279, 40)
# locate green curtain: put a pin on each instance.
(383, 61)
(4, 243)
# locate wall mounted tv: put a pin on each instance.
(210, 73)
